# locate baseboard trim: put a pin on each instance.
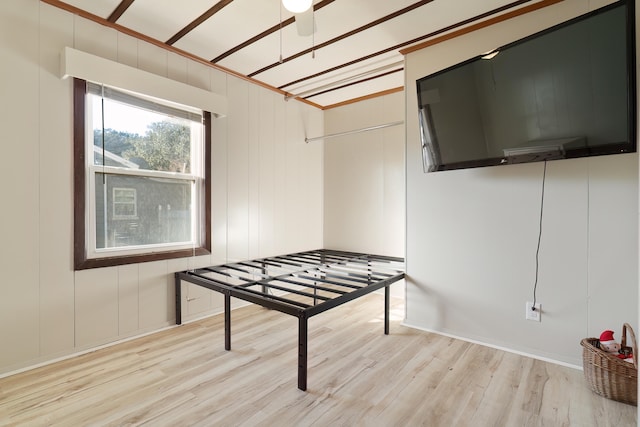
(82, 352)
(497, 347)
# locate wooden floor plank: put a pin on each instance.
(357, 377)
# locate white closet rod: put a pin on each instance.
(350, 132)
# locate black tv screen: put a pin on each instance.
(566, 92)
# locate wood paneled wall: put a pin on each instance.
(267, 192)
(472, 234)
(364, 190)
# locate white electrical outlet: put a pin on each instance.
(532, 314)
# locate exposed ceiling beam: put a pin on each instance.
(364, 98)
(416, 40)
(254, 39)
(344, 36)
(128, 31)
(199, 20)
(377, 76)
(460, 28)
(491, 21)
(119, 10)
(347, 79)
(265, 33)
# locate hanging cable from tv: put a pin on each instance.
(535, 284)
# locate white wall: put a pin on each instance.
(267, 191)
(472, 234)
(364, 179)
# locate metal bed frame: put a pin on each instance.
(301, 284)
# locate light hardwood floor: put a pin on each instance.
(357, 377)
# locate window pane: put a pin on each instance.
(136, 138)
(157, 211)
(125, 205)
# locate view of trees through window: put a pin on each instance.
(166, 146)
(144, 149)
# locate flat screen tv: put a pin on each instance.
(566, 92)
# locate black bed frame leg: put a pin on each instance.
(227, 321)
(178, 299)
(302, 351)
(386, 310)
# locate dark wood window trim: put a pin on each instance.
(81, 262)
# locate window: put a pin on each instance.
(125, 205)
(141, 178)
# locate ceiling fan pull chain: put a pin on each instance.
(280, 33)
(313, 35)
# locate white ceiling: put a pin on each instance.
(364, 62)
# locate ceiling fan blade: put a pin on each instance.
(305, 22)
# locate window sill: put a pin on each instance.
(87, 263)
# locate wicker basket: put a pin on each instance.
(608, 375)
